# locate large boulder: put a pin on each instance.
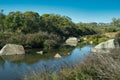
(12, 49)
(105, 47)
(72, 41)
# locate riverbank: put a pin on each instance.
(97, 67)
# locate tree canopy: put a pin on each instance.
(32, 22)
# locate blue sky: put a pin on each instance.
(78, 10)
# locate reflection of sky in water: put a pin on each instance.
(79, 53)
(12, 71)
(76, 55)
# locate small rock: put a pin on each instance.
(40, 52)
(57, 55)
(68, 53)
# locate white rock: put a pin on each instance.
(106, 44)
(105, 47)
(12, 49)
(57, 55)
(72, 41)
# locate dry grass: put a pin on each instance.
(111, 34)
(98, 67)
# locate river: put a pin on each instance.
(15, 67)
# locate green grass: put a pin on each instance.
(98, 67)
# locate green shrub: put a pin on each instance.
(96, 39)
(35, 40)
(110, 29)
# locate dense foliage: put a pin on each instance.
(35, 40)
(32, 22)
(30, 28)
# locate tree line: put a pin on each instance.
(32, 24)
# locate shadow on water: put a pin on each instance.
(14, 67)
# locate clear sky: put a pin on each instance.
(77, 10)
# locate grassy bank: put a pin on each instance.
(98, 67)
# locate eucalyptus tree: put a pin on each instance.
(14, 21)
(61, 25)
(2, 17)
(116, 22)
(31, 22)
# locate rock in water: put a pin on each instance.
(57, 55)
(105, 47)
(72, 41)
(40, 52)
(12, 49)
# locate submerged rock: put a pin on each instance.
(57, 55)
(12, 49)
(105, 47)
(72, 41)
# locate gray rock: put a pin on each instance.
(12, 49)
(72, 41)
(105, 47)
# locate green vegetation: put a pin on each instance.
(34, 31)
(30, 40)
(48, 30)
(96, 39)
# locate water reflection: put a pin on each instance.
(14, 67)
(13, 57)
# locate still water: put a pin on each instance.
(16, 67)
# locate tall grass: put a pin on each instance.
(97, 67)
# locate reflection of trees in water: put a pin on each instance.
(18, 59)
(13, 58)
(2, 62)
(27, 59)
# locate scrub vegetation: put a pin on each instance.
(48, 30)
(97, 67)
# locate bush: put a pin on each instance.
(110, 29)
(4, 38)
(35, 40)
(96, 39)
